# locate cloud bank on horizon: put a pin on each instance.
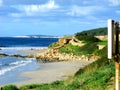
(55, 17)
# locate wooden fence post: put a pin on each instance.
(117, 56)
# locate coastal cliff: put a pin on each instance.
(70, 49)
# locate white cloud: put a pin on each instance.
(31, 10)
(115, 2)
(85, 10)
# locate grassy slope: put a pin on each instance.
(95, 32)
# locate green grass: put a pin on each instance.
(96, 79)
(70, 49)
(51, 86)
(103, 43)
(89, 48)
(86, 38)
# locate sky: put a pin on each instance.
(55, 17)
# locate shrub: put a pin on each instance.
(9, 87)
(95, 32)
(86, 38)
(26, 87)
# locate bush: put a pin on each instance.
(86, 38)
(95, 32)
(9, 87)
(26, 87)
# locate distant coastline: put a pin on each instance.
(32, 36)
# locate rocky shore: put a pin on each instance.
(51, 55)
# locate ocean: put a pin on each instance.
(11, 67)
(26, 42)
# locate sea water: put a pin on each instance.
(11, 67)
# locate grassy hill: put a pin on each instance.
(95, 32)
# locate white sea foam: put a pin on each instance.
(14, 65)
(20, 62)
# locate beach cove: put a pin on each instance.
(48, 72)
(51, 67)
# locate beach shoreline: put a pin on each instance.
(50, 72)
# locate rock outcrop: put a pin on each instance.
(63, 41)
(76, 42)
(50, 55)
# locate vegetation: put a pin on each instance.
(55, 44)
(89, 48)
(86, 38)
(95, 32)
(70, 49)
(9, 87)
(102, 43)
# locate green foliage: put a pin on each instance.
(9, 87)
(97, 79)
(53, 45)
(102, 43)
(95, 32)
(89, 48)
(51, 86)
(86, 38)
(102, 53)
(70, 49)
(26, 87)
(95, 65)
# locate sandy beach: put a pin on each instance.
(50, 72)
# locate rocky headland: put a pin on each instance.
(53, 54)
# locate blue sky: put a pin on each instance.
(55, 17)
